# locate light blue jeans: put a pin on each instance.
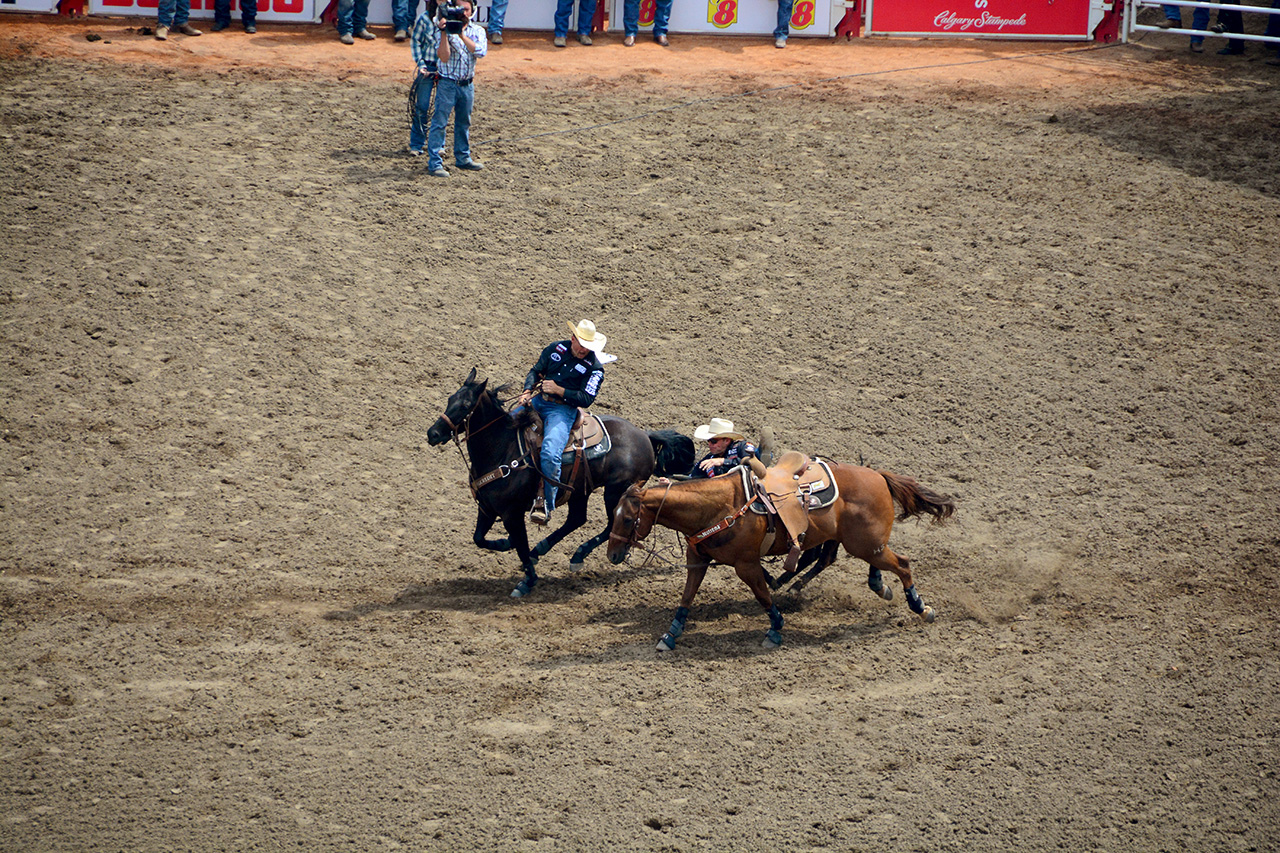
(784, 19)
(173, 13)
(497, 15)
(401, 15)
(421, 122)
(353, 16)
(451, 97)
(631, 17)
(557, 421)
(564, 8)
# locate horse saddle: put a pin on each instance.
(588, 436)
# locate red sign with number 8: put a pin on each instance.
(722, 13)
(802, 14)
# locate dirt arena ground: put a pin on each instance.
(239, 606)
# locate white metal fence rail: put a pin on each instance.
(1131, 24)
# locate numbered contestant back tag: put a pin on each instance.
(802, 14)
(722, 13)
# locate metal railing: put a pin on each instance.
(1131, 24)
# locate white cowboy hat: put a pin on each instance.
(587, 335)
(718, 428)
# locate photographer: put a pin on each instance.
(458, 43)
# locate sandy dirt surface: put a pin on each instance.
(239, 605)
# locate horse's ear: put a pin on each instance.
(471, 377)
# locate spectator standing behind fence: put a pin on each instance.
(631, 21)
(425, 61)
(1199, 21)
(456, 54)
(400, 18)
(783, 28)
(174, 14)
(497, 16)
(353, 19)
(222, 15)
(586, 16)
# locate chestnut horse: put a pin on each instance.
(860, 519)
(504, 478)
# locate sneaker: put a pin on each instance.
(629, 41)
(401, 35)
(780, 43)
(162, 33)
(250, 29)
(559, 41)
(217, 28)
(1170, 23)
(346, 38)
(496, 38)
(661, 40)
(188, 30)
(439, 173)
(583, 38)
(366, 35)
(470, 166)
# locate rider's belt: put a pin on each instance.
(466, 82)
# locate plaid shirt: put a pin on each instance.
(423, 45)
(462, 62)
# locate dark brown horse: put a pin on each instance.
(505, 478)
(860, 519)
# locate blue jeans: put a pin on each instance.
(784, 19)
(1199, 21)
(631, 17)
(451, 97)
(421, 122)
(1173, 13)
(497, 15)
(586, 11)
(557, 422)
(222, 12)
(173, 13)
(401, 17)
(353, 16)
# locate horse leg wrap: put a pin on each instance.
(677, 624)
(874, 580)
(774, 635)
(914, 601)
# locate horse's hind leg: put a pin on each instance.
(900, 566)
(484, 522)
(612, 494)
(576, 517)
(752, 574)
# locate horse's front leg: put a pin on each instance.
(575, 518)
(484, 522)
(514, 522)
(696, 570)
(752, 574)
(901, 567)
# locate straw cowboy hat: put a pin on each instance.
(718, 428)
(587, 335)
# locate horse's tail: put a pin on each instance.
(916, 500)
(674, 452)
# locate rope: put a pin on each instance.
(755, 92)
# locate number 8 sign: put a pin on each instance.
(802, 14)
(722, 13)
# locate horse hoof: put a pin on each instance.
(667, 643)
(928, 615)
(522, 589)
(772, 640)
(886, 592)
(575, 565)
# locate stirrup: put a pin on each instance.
(539, 515)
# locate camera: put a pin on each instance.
(454, 17)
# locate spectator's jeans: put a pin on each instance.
(173, 13)
(1173, 13)
(497, 15)
(557, 422)
(631, 17)
(222, 12)
(1200, 21)
(401, 15)
(451, 97)
(784, 19)
(586, 12)
(421, 122)
(353, 15)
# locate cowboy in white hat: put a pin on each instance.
(728, 448)
(567, 377)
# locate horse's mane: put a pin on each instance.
(521, 418)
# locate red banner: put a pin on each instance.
(970, 18)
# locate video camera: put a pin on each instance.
(454, 17)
